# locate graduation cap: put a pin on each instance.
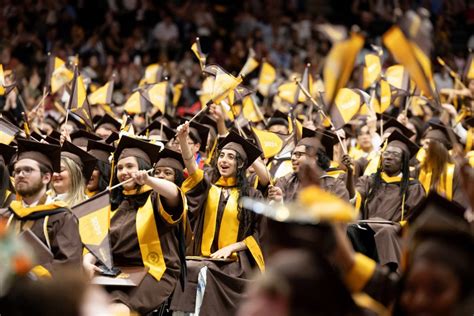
(170, 158)
(155, 129)
(167, 119)
(439, 132)
(6, 153)
(112, 138)
(50, 120)
(83, 159)
(96, 118)
(278, 118)
(392, 124)
(55, 134)
(108, 122)
(199, 133)
(399, 140)
(327, 139)
(469, 121)
(209, 121)
(81, 137)
(100, 150)
(52, 140)
(246, 149)
(7, 115)
(46, 154)
(75, 121)
(133, 147)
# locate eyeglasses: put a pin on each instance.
(392, 154)
(25, 170)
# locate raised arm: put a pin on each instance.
(166, 189)
(188, 157)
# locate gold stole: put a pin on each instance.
(469, 139)
(374, 163)
(445, 184)
(148, 237)
(20, 211)
(229, 228)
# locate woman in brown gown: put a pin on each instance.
(143, 227)
(227, 237)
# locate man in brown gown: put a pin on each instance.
(389, 195)
(52, 223)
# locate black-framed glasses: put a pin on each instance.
(392, 154)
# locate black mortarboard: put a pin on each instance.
(133, 147)
(108, 122)
(400, 140)
(86, 161)
(327, 139)
(55, 135)
(155, 128)
(81, 137)
(75, 121)
(167, 119)
(279, 118)
(100, 150)
(439, 132)
(199, 133)
(53, 122)
(246, 150)
(112, 138)
(6, 153)
(46, 154)
(209, 121)
(170, 158)
(469, 121)
(393, 124)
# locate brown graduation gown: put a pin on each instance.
(226, 281)
(290, 186)
(151, 293)
(63, 235)
(387, 205)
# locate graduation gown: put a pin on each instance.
(55, 226)
(213, 217)
(333, 183)
(128, 222)
(386, 204)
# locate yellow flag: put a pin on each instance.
(196, 48)
(103, 95)
(94, 223)
(177, 90)
(156, 95)
(385, 97)
(224, 83)
(346, 105)
(270, 143)
(78, 103)
(397, 77)
(266, 78)
(339, 65)
(152, 74)
(205, 94)
(250, 65)
(287, 91)
(2, 81)
(412, 57)
(250, 110)
(61, 75)
(469, 68)
(135, 104)
(7, 131)
(372, 70)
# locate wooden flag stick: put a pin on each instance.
(126, 181)
(306, 93)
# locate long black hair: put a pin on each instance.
(104, 175)
(117, 195)
(246, 217)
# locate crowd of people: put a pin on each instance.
(139, 179)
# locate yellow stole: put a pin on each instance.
(90, 194)
(469, 139)
(229, 228)
(445, 184)
(148, 237)
(20, 211)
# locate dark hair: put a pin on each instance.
(117, 195)
(323, 160)
(104, 175)
(377, 180)
(5, 183)
(247, 218)
(178, 177)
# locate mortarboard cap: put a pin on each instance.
(401, 141)
(392, 124)
(199, 133)
(6, 153)
(327, 139)
(100, 150)
(108, 122)
(46, 154)
(439, 132)
(133, 147)
(278, 118)
(246, 149)
(170, 158)
(86, 161)
(74, 121)
(81, 137)
(155, 129)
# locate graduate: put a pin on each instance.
(390, 195)
(142, 228)
(309, 149)
(51, 221)
(227, 236)
(100, 177)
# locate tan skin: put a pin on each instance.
(165, 173)
(61, 180)
(431, 289)
(27, 176)
(93, 182)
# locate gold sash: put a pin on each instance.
(20, 211)
(444, 187)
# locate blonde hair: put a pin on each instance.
(76, 192)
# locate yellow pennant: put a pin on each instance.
(347, 104)
(266, 78)
(372, 70)
(102, 95)
(270, 143)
